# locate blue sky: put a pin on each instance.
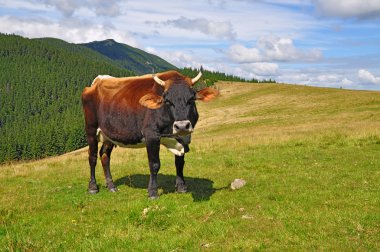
(309, 42)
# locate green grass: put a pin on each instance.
(310, 158)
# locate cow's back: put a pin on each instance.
(126, 89)
(114, 104)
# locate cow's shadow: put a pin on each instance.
(200, 189)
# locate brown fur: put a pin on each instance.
(129, 90)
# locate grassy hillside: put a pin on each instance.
(129, 57)
(310, 157)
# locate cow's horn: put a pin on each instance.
(196, 78)
(159, 81)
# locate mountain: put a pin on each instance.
(41, 82)
(79, 49)
(129, 57)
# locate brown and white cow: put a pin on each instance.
(141, 111)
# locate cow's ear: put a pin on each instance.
(151, 101)
(207, 94)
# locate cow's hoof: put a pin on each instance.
(93, 188)
(181, 188)
(114, 189)
(92, 191)
(153, 194)
(111, 187)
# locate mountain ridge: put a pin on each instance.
(129, 57)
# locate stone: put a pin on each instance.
(237, 184)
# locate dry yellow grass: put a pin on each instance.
(264, 113)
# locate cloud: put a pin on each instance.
(177, 58)
(242, 54)
(262, 68)
(272, 49)
(314, 77)
(362, 9)
(347, 82)
(108, 8)
(367, 77)
(70, 30)
(222, 30)
(359, 80)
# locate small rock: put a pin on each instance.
(237, 184)
(247, 217)
(206, 245)
(145, 212)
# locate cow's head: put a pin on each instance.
(178, 100)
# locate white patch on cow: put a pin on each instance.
(170, 143)
(101, 77)
(173, 146)
(103, 138)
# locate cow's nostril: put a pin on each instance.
(182, 127)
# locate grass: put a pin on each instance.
(310, 157)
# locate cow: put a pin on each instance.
(142, 111)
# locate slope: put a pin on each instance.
(41, 82)
(78, 49)
(129, 57)
(309, 156)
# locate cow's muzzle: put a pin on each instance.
(182, 128)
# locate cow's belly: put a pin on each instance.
(170, 143)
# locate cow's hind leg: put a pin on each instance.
(153, 149)
(105, 157)
(180, 184)
(92, 158)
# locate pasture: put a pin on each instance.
(310, 157)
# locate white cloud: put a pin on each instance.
(262, 68)
(368, 77)
(70, 30)
(349, 8)
(110, 8)
(242, 54)
(272, 49)
(328, 78)
(178, 58)
(283, 49)
(361, 80)
(314, 77)
(347, 82)
(294, 78)
(219, 29)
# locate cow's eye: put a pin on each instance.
(191, 100)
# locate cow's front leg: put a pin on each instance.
(180, 185)
(105, 157)
(153, 149)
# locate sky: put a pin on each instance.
(309, 42)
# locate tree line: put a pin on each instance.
(40, 88)
(210, 77)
